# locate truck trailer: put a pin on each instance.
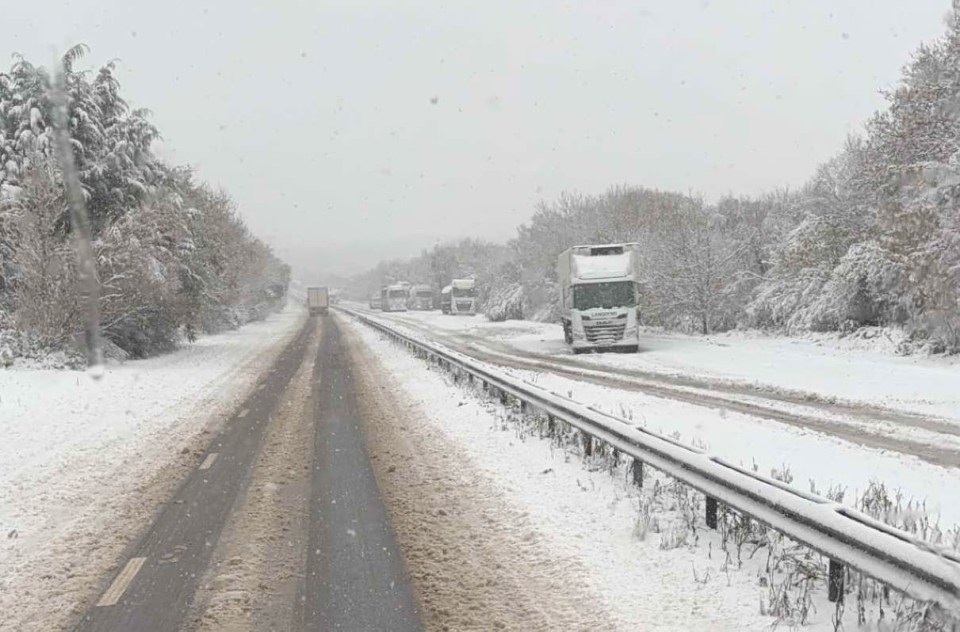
(446, 295)
(599, 297)
(318, 300)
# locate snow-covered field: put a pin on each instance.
(74, 450)
(845, 369)
(647, 580)
(812, 457)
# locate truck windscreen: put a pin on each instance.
(464, 293)
(604, 295)
(398, 294)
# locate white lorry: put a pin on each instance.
(393, 298)
(421, 297)
(460, 297)
(599, 296)
(318, 300)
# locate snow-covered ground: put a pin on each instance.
(845, 369)
(812, 457)
(647, 580)
(73, 449)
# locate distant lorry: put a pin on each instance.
(421, 298)
(460, 297)
(393, 298)
(599, 297)
(375, 301)
(446, 296)
(318, 300)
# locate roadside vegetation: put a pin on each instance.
(791, 579)
(872, 239)
(173, 257)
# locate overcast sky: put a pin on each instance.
(351, 131)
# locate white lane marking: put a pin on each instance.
(122, 582)
(207, 462)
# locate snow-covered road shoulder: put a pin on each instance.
(586, 515)
(828, 369)
(585, 519)
(83, 463)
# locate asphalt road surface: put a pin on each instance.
(355, 575)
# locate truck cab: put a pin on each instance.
(393, 298)
(463, 297)
(421, 297)
(599, 297)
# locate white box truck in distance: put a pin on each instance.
(462, 297)
(318, 300)
(599, 292)
(421, 297)
(393, 298)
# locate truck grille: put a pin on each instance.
(464, 306)
(604, 333)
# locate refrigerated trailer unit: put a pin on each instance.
(318, 300)
(599, 297)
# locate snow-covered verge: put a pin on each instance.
(647, 554)
(84, 463)
(811, 457)
(824, 366)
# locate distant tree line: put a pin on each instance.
(174, 259)
(872, 239)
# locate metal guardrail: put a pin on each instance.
(842, 534)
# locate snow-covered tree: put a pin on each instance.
(173, 258)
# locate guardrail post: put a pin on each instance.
(587, 444)
(636, 471)
(551, 426)
(711, 512)
(523, 407)
(835, 582)
(503, 398)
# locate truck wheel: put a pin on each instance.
(567, 334)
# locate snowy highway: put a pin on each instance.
(835, 417)
(347, 485)
(351, 573)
